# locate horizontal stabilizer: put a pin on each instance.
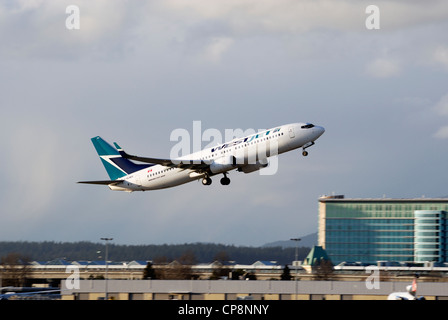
(105, 182)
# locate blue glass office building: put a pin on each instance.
(371, 230)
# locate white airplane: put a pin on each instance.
(25, 291)
(411, 293)
(246, 154)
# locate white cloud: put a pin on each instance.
(442, 106)
(441, 56)
(115, 27)
(278, 16)
(383, 68)
(31, 150)
(303, 57)
(40, 29)
(442, 133)
(217, 47)
(300, 16)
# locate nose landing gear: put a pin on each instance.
(306, 146)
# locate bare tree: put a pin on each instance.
(323, 270)
(222, 256)
(188, 258)
(149, 272)
(174, 271)
(15, 269)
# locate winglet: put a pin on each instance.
(118, 147)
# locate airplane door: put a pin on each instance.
(291, 132)
(137, 180)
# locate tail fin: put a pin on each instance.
(115, 165)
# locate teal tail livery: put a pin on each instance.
(241, 154)
(116, 166)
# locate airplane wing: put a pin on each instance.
(106, 182)
(184, 164)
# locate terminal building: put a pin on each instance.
(375, 230)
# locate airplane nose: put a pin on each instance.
(320, 131)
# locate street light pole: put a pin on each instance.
(297, 258)
(106, 239)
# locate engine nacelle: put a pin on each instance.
(116, 188)
(262, 163)
(223, 164)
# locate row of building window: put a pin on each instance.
(367, 228)
(373, 214)
(381, 211)
(427, 246)
(349, 246)
(373, 258)
(389, 207)
(369, 235)
(371, 253)
(374, 234)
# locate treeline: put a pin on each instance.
(199, 252)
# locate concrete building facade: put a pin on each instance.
(244, 290)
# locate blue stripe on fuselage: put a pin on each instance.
(128, 166)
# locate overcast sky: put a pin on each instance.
(135, 71)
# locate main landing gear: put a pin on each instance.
(225, 181)
(206, 181)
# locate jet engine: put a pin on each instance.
(223, 164)
(262, 163)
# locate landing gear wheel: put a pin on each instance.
(305, 153)
(206, 181)
(225, 181)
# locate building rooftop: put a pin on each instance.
(341, 198)
(316, 256)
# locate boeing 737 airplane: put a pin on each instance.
(246, 154)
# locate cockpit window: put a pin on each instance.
(308, 126)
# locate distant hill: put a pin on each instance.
(307, 241)
(202, 252)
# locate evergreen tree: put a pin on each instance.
(286, 275)
(149, 272)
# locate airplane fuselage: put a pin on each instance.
(246, 154)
